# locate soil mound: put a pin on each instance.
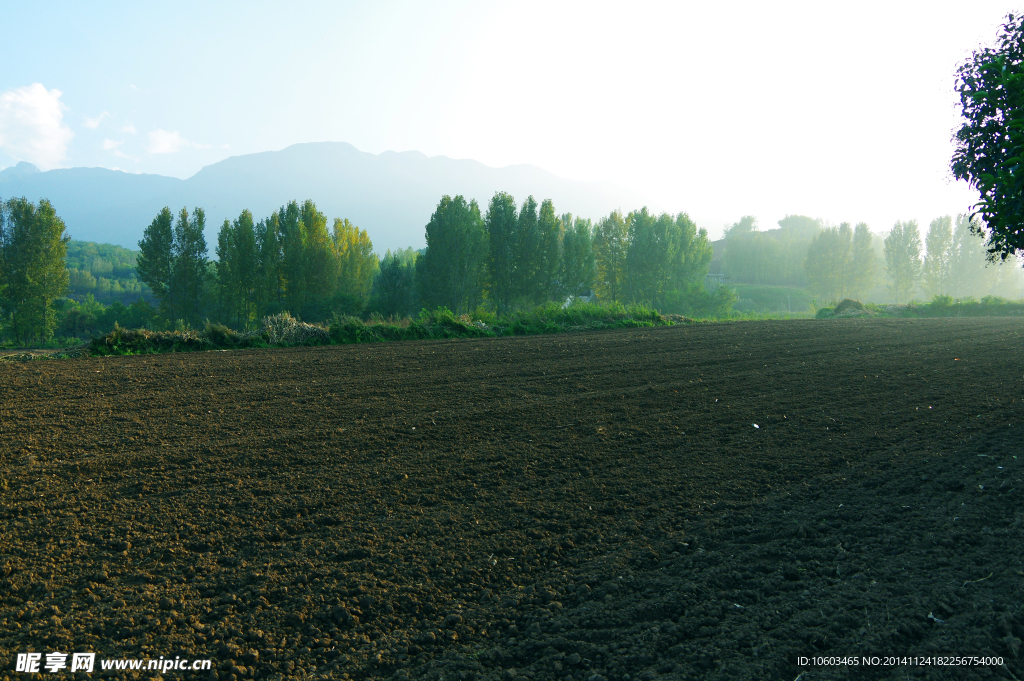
(850, 308)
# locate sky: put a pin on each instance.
(841, 111)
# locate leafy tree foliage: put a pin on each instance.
(394, 287)
(840, 262)
(155, 263)
(269, 275)
(357, 266)
(579, 266)
(865, 264)
(451, 271)
(526, 272)
(771, 258)
(550, 232)
(502, 223)
(238, 270)
(611, 245)
(33, 268)
(989, 152)
(663, 257)
(903, 259)
(190, 271)
(937, 269)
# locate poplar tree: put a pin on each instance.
(270, 285)
(501, 224)
(550, 232)
(33, 251)
(578, 264)
(903, 259)
(292, 264)
(864, 262)
(451, 272)
(238, 276)
(828, 264)
(155, 263)
(936, 272)
(319, 263)
(527, 255)
(611, 243)
(357, 266)
(968, 272)
(190, 264)
(648, 256)
(394, 285)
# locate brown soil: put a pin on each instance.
(577, 506)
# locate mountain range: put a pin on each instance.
(390, 195)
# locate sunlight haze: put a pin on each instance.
(719, 109)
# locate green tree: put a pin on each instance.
(864, 265)
(501, 223)
(33, 269)
(936, 271)
(611, 244)
(270, 283)
(155, 264)
(550, 232)
(451, 272)
(829, 264)
(990, 142)
(903, 259)
(319, 260)
(968, 273)
(357, 266)
(292, 266)
(189, 275)
(237, 264)
(394, 285)
(775, 257)
(526, 285)
(693, 252)
(578, 264)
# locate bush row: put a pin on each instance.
(283, 330)
(940, 306)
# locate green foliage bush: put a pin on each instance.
(140, 341)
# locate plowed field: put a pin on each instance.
(688, 502)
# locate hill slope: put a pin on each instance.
(391, 195)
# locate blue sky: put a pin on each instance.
(838, 111)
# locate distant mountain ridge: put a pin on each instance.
(391, 195)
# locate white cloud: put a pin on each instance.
(110, 145)
(93, 123)
(164, 142)
(170, 142)
(32, 125)
(129, 128)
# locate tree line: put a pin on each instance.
(509, 257)
(287, 261)
(515, 256)
(845, 261)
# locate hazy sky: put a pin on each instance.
(842, 111)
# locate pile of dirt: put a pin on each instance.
(689, 502)
(850, 308)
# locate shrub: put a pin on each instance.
(283, 329)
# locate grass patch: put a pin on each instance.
(772, 300)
